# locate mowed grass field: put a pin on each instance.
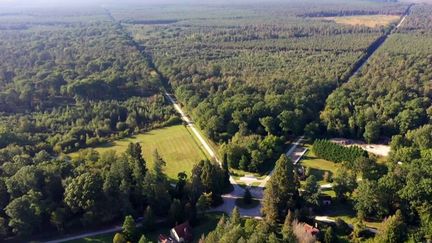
(175, 145)
(366, 20)
(318, 166)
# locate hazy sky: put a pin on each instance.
(50, 3)
(47, 3)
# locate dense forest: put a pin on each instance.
(40, 194)
(253, 77)
(253, 80)
(392, 93)
(74, 83)
(71, 79)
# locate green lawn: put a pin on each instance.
(175, 144)
(318, 166)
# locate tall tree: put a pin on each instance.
(235, 218)
(392, 229)
(129, 228)
(25, 213)
(344, 182)
(311, 191)
(281, 191)
(287, 228)
(176, 212)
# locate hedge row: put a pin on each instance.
(335, 152)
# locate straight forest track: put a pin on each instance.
(375, 46)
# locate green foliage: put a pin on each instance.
(176, 212)
(281, 193)
(287, 228)
(392, 229)
(148, 221)
(25, 213)
(337, 153)
(329, 235)
(311, 191)
(367, 192)
(143, 239)
(129, 228)
(344, 182)
(119, 238)
(390, 96)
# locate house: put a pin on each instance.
(326, 200)
(310, 229)
(182, 232)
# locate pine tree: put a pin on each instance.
(129, 228)
(273, 238)
(287, 229)
(392, 229)
(269, 207)
(235, 217)
(311, 191)
(281, 192)
(143, 239)
(159, 165)
(329, 236)
(176, 212)
(148, 219)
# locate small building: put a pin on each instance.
(182, 233)
(310, 229)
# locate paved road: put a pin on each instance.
(257, 193)
(237, 192)
(290, 151)
(191, 125)
(326, 219)
(89, 234)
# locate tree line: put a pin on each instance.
(334, 152)
(40, 194)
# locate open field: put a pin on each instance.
(365, 20)
(175, 144)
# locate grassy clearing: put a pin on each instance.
(175, 144)
(345, 210)
(318, 166)
(366, 20)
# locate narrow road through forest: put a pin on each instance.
(229, 199)
(376, 45)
